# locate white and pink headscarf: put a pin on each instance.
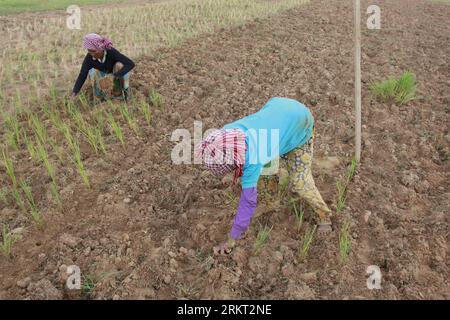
(224, 151)
(93, 41)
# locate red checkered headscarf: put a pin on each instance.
(93, 41)
(224, 151)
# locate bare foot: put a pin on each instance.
(324, 228)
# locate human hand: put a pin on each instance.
(225, 248)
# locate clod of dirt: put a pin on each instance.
(309, 277)
(173, 264)
(145, 293)
(69, 240)
(409, 179)
(367, 215)
(240, 256)
(127, 200)
(24, 283)
(326, 164)
(44, 290)
(278, 256)
(422, 186)
(299, 291)
(17, 231)
(287, 270)
(167, 279)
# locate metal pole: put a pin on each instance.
(357, 7)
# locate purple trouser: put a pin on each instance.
(247, 206)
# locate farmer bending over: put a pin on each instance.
(239, 147)
(101, 60)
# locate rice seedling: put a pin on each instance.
(67, 132)
(7, 162)
(38, 128)
(55, 193)
(341, 188)
(43, 156)
(55, 118)
(7, 242)
(58, 151)
(84, 103)
(299, 214)
(88, 285)
(116, 128)
(11, 140)
(99, 118)
(145, 109)
(405, 88)
(13, 130)
(344, 241)
(399, 90)
(342, 185)
(53, 94)
(30, 199)
(384, 90)
(86, 129)
(99, 139)
(79, 164)
(127, 116)
(282, 185)
(4, 193)
(351, 171)
(306, 244)
(19, 201)
(262, 237)
(155, 98)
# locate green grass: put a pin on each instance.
(43, 156)
(400, 90)
(17, 6)
(299, 213)
(283, 184)
(128, 117)
(145, 110)
(351, 170)
(7, 242)
(13, 129)
(30, 147)
(344, 242)
(30, 199)
(38, 128)
(341, 188)
(262, 237)
(79, 164)
(7, 162)
(116, 127)
(4, 192)
(156, 99)
(342, 185)
(55, 193)
(309, 236)
(88, 285)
